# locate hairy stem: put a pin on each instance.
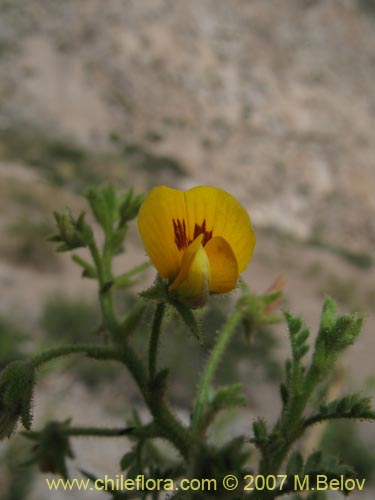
(211, 367)
(169, 426)
(290, 426)
(154, 339)
(93, 351)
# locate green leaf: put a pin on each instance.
(88, 270)
(133, 319)
(129, 206)
(125, 280)
(158, 291)
(295, 463)
(352, 406)
(158, 385)
(313, 463)
(117, 240)
(260, 433)
(188, 317)
(228, 396)
(329, 314)
(346, 330)
(134, 471)
(321, 463)
(127, 460)
(17, 381)
(336, 333)
(284, 393)
(299, 334)
(224, 398)
(233, 455)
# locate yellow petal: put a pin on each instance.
(162, 208)
(212, 209)
(223, 265)
(192, 285)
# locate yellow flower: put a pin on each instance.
(200, 240)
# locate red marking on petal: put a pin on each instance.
(180, 237)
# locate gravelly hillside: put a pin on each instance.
(270, 99)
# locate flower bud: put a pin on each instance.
(16, 390)
(52, 449)
(72, 233)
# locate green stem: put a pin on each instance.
(211, 366)
(154, 339)
(97, 261)
(103, 268)
(107, 256)
(144, 432)
(290, 426)
(93, 351)
(98, 431)
(169, 426)
(87, 431)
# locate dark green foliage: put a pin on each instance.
(353, 406)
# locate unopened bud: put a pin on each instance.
(16, 391)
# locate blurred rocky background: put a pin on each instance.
(271, 100)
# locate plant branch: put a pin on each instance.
(92, 351)
(154, 339)
(168, 425)
(211, 367)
